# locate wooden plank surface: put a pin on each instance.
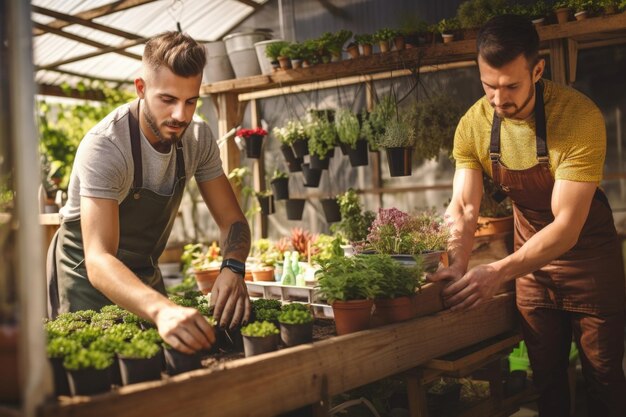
(269, 384)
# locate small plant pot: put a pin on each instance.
(258, 345)
(562, 15)
(275, 65)
(353, 51)
(344, 148)
(384, 46)
(393, 310)
(428, 38)
(267, 204)
(295, 166)
(488, 226)
(311, 176)
(352, 316)
(399, 42)
(581, 15)
(61, 385)
(366, 49)
(300, 148)
(228, 340)
(115, 373)
(331, 210)
(206, 278)
(444, 403)
(280, 188)
(305, 63)
(319, 163)
(285, 63)
(539, 21)
(335, 57)
(254, 144)
(295, 207)
(400, 161)
(288, 153)
(359, 155)
(89, 381)
(296, 63)
(141, 370)
(177, 362)
(263, 274)
(447, 37)
(296, 334)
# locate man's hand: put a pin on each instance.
(230, 298)
(478, 285)
(184, 329)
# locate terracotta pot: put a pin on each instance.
(9, 389)
(352, 316)
(399, 42)
(581, 15)
(263, 274)
(248, 276)
(493, 225)
(384, 46)
(296, 63)
(393, 310)
(206, 278)
(562, 15)
(366, 49)
(285, 63)
(353, 51)
(447, 37)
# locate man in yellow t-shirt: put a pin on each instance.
(544, 146)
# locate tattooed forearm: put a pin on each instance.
(237, 243)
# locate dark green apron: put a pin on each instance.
(146, 220)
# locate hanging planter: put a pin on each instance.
(300, 148)
(267, 203)
(400, 161)
(352, 316)
(344, 148)
(331, 210)
(393, 310)
(311, 176)
(295, 166)
(295, 207)
(319, 163)
(254, 141)
(359, 155)
(206, 278)
(177, 362)
(280, 188)
(288, 153)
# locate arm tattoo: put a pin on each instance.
(238, 241)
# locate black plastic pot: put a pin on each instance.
(280, 188)
(177, 362)
(267, 204)
(89, 381)
(295, 166)
(288, 154)
(228, 340)
(295, 207)
(61, 385)
(331, 209)
(359, 156)
(115, 374)
(344, 148)
(141, 370)
(254, 143)
(296, 334)
(445, 403)
(258, 345)
(300, 148)
(400, 161)
(311, 176)
(320, 163)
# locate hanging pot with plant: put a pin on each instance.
(266, 202)
(295, 207)
(312, 176)
(322, 138)
(280, 185)
(296, 325)
(331, 210)
(259, 338)
(359, 156)
(254, 141)
(348, 131)
(365, 41)
(398, 141)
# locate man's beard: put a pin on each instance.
(152, 123)
(531, 94)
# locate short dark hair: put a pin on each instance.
(177, 51)
(503, 38)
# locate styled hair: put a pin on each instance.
(503, 38)
(176, 51)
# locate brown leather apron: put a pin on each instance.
(146, 220)
(582, 291)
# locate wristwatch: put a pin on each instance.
(234, 265)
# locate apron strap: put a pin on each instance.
(52, 280)
(135, 143)
(180, 162)
(541, 134)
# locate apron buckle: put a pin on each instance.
(543, 159)
(494, 156)
(136, 196)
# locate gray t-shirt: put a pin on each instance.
(103, 167)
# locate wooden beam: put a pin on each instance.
(250, 3)
(86, 41)
(57, 91)
(227, 109)
(572, 60)
(258, 174)
(558, 65)
(281, 381)
(91, 14)
(108, 49)
(83, 22)
(91, 77)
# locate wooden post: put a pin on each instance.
(258, 175)
(416, 393)
(572, 60)
(228, 117)
(374, 156)
(557, 61)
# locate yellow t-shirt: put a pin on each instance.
(576, 137)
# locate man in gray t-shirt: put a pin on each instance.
(126, 186)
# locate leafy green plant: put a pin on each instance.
(292, 131)
(295, 306)
(347, 125)
(583, 5)
(265, 251)
(475, 13)
(139, 349)
(384, 35)
(150, 335)
(327, 246)
(266, 314)
(60, 347)
(84, 315)
(295, 317)
(263, 303)
(367, 131)
(107, 343)
(183, 301)
(293, 51)
(446, 26)
(346, 278)
(259, 329)
(354, 222)
(62, 328)
(435, 121)
(205, 310)
(87, 335)
(380, 117)
(124, 331)
(397, 280)
(560, 4)
(135, 319)
(278, 174)
(322, 136)
(86, 359)
(272, 50)
(399, 133)
(538, 9)
(364, 39)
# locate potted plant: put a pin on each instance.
(292, 133)
(280, 185)
(495, 215)
(267, 255)
(332, 213)
(57, 349)
(581, 8)
(538, 12)
(140, 360)
(609, 6)
(398, 141)
(384, 38)
(283, 60)
(266, 201)
(349, 131)
(379, 118)
(296, 326)
(88, 371)
(322, 140)
(259, 337)
(205, 264)
(353, 50)
(254, 141)
(399, 41)
(178, 362)
(446, 28)
(561, 10)
(349, 287)
(355, 222)
(296, 53)
(272, 51)
(435, 120)
(311, 176)
(295, 207)
(334, 42)
(311, 53)
(365, 41)
(472, 14)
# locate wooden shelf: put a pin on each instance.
(596, 29)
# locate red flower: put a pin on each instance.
(246, 133)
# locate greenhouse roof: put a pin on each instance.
(74, 40)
